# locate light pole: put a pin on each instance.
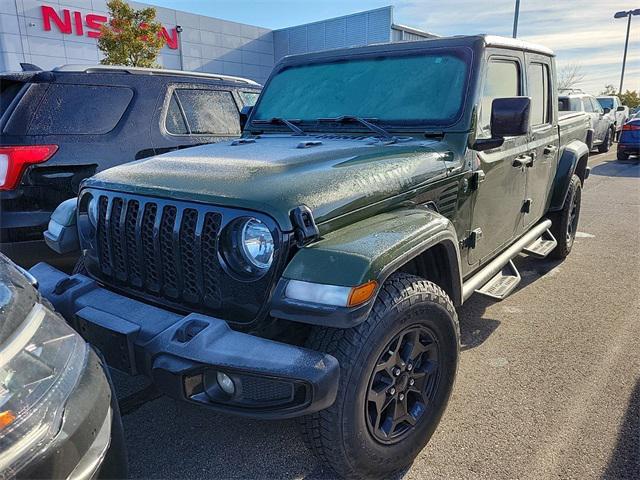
(179, 33)
(622, 14)
(516, 14)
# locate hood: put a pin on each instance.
(274, 174)
(17, 298)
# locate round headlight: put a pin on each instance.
(92, 211)
(256, 243)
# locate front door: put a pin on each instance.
(497, 211)
(543, 140)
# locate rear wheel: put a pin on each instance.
(606, 143)
(623, 156)
(565, 222)
(397, 372)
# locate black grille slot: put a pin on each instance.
(131, 219)
(151, 260)
(191, 289)
(103, 236)
(117, 245)
(210, 263)
(168, 252)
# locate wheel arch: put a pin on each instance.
(573, 159)
(414, 240)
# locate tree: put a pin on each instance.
(570, 76)
(132, 37)
(631, 98)
(609, 90)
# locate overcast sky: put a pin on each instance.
(580, 31)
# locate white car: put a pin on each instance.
(618, 112)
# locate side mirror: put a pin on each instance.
(244, 115)
(509, 118)
(607, 110)
(620, 108)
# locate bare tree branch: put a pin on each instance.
(570, 76)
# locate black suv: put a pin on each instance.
(61, 126)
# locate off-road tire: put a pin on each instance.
(339, 435)
(79, 266)
(561, 220)
(606, 143)
(623, 157)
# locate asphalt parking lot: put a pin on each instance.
(548, 385)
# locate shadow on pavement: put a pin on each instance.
(625, 461)
(617, 168)
(475, 328)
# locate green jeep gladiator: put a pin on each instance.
(312, 268)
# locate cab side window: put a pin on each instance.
(503, 80)
(538, 87)
(588, 105)
(596, 105)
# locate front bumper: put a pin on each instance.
(183, 354)
(90, 443)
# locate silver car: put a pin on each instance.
(602, 126)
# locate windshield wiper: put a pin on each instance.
(362, 121)
(294, 128)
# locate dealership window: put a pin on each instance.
(503, 80)
(202, 112)
(79, 110)
(538, 83)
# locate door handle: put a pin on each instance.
(549, 149)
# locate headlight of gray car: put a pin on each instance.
(40, 364)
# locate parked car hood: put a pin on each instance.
(332, 175)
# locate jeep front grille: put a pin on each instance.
(169, 251)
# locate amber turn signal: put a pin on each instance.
(362, 293)
(6, 418)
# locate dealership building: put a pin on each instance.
(52, 33)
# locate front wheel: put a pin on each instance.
(397, 371)
(565, 222)
(606, 143)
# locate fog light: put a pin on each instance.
(226, 384)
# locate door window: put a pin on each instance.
(503, 80)
(202, 112)
(596, 106)
(588, 105)
(538, 87)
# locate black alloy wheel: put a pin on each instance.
(402, 385)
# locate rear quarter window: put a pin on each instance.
(80, 110)
(203, 112)
(249, 98)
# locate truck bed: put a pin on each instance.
(572, 126)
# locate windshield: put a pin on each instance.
(426, 88)
(606, 103)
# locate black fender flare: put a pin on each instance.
(573, 159)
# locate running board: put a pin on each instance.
(496, 265)
(505, 281)
(541, 246)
